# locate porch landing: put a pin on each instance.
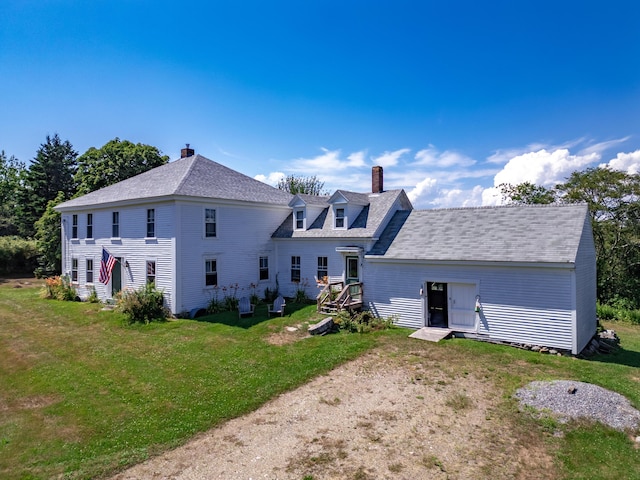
(431, 334)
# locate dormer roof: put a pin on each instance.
(353, 198)
(306, 200)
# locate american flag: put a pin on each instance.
(107, 263)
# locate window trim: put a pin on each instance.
(342, 218)
(115, 224)
(323, 266)
(153, 274)
(299, 219)
(151, 223)
(214, 222)
(89, 271)
(296, 262)
(263, 268)
(90, 225)
(74, 226)
(74, 269)
(214, 271)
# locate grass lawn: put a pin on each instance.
(82, 395)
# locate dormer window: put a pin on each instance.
(299, 219)
(339, 218)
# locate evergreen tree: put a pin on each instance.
(50, 172)
(113, 162)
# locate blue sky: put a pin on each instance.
(451, 98)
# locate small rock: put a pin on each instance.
(572, 390)
(553, 352)
(291, 329)
(535, 348)
(544, 350)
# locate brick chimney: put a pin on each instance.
(187, 152)
(376, 180)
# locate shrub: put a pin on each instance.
(17, 255)
(606, 312)
(362, 322)
(144, 305)
(93, 296)
(59, 288)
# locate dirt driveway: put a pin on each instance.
(378, 417)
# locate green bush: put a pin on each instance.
(144, 305)
(361, 322)
(606, 312)
(17, 255)
(616, 312)
(59, 288)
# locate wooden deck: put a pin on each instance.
(337, 296)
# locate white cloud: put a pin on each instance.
(390, 159)
(456, 197)
(626, 162)
(423, 190)
(602, 146)
(272, 179)
(491, 196)
(546, 168)
(356, 159)
(431, 157)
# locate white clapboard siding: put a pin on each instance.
(519, 304)
(243, 235)
(585, 285)
(309, 250)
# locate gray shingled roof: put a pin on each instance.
(531, 233)
(365, 225)
(194, 176)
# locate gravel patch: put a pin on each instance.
(586, 401)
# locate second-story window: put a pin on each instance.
(74, 226)
(115, 224)
(210, 222)
(151, 223)
(89, 225)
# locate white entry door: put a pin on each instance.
(462, 304)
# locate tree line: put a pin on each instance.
(30, 227)
(613, 198)
(56, 174)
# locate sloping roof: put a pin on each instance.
(310, 199)
(351, 197)
(194, 176)
(529, 233)
(365, 225)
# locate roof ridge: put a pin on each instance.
(499, 207)
(186, 173)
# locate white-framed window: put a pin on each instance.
(89, 271)
(89, 225)
(151, 271)
(151, 223)
(115, 224)
(323, 267)
(339, 218)
(74, 269)
(210, 222)
(299, 220)
(74, 226)
(210, 272)
(264, 268)
(295, 269)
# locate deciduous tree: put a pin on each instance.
(300, 184)
(11, 171)
(113, 162)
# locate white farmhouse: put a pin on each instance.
(518, 273)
